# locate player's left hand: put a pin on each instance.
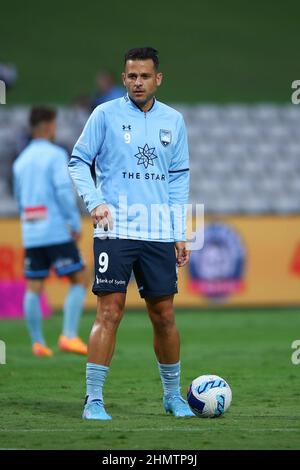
(183, 255)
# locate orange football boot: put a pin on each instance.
(39, 349)
(74, 345)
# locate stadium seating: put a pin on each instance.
(245, 159)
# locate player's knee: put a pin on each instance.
(165, 320)
(35, 286)
(80, 277)
(110, 315)
(167, 323)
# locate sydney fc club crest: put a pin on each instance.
(165, 137)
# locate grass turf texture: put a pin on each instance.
(41, 399)
(210, 51)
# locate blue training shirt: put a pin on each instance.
(45, 195)
(142, 169)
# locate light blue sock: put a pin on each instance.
(95, 378)
(33, 316)
(170, 377)
(73, 309)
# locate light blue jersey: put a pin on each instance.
(45, 195)
(142, 169)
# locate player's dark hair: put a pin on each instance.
(41, 114)
(143, 53)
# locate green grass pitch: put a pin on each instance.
(41, 399)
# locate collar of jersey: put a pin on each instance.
(134, 106)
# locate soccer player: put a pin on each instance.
(50, 228)
(139, 147)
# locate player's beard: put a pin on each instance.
(142, 101)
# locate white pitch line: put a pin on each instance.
(201, 429)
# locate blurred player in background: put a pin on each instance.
(9, 74)
(50, 228)
(141, 152)
(107, 89)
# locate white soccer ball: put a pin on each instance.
(209, 396)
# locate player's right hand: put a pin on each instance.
(101, 217)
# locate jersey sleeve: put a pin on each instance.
(179, 183)
(64, 191)
(85, 151)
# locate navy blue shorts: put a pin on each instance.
(153, 264)
(65, 258)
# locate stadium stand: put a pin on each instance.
(244, 159)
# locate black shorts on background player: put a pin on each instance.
(64, 258)
(153, 264)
